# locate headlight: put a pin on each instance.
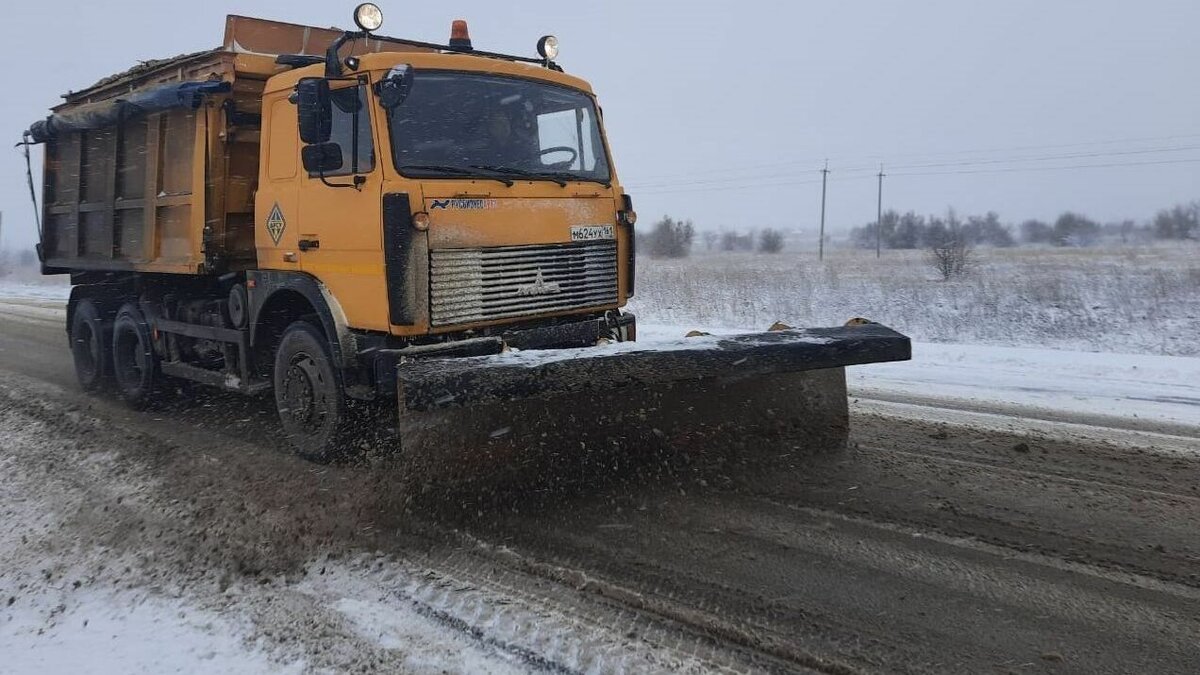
(368, 16)
(548, 47)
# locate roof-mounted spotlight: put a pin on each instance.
(368, 17)
(547, 47)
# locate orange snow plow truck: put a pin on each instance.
(349, 221)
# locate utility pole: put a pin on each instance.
(824, 179)
(879, 218)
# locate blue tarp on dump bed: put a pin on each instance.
(110, 113)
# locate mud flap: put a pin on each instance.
(535, 409)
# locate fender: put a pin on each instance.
(262, 285)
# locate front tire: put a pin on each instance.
(89, 351)
(309, 395)
(135, 365)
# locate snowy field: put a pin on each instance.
(1137, 300)
(28, 283)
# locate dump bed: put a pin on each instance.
(146, 173)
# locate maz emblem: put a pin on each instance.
(539, 287)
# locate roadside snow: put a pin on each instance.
(1163, 389)
(56, 289)
(66, 607)
(1155, 388)
(103, 632)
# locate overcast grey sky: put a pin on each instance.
(722, 112)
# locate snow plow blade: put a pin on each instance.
(503, 412)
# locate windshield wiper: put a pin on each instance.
(454, 171)
(513, 171)
(567, 175)
(560, 177)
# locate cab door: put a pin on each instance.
(339, 236)
(275, 205)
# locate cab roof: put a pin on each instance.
(437, 61)
(251, 45)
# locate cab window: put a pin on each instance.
(351, 112)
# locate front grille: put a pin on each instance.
(467, 285)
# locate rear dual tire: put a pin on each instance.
(89, 347)
(134, 363)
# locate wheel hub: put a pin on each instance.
(302, 394)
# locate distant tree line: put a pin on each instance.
(954, 236)
(667, 238)
(912, 231)
(670, 238)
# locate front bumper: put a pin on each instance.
(614, 325)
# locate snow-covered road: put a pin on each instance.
(101, 571)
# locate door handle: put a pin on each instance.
(308, 244)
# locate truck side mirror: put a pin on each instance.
(321, 158)
(315, 110)
(394, 88)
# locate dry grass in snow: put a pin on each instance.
(1135, 299)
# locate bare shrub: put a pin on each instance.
(1037, 232)
(951, 259)
(1180, 222)
(770, 241)
(732, 241)
(671, 238)
(950, 254)
(1073, 229)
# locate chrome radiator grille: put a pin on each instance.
(484, 284)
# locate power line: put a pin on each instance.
(976, 162)
(725, 186)
(896, 157)
(1051, 168)
(1046, 158)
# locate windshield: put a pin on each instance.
(458, 123)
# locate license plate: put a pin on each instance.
(592, 232)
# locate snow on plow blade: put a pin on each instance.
(496, 413)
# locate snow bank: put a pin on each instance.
(52, 290)
(1156, 388)
(121, 633)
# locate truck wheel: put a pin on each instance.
(308, 394)
(92, 366)
(135, 365)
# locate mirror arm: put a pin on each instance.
(333, 64)
(357, 184)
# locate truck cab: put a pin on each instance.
(442, 193)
